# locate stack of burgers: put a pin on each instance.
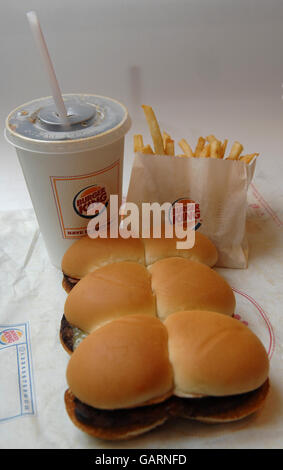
(151, 335)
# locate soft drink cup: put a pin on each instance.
(69, 167)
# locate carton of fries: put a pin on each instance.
(215, 178)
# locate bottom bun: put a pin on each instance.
(222, 409)
(117, 424)
(129, 423)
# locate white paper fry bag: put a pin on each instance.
(217, 187)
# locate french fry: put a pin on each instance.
(163, 144)
(154, 129)
(215, 148)
(186, 148)
(223, 148)
(205, 151)
(168, 144)
(138, 143)
(170, 147)
(248, 158)
(235, 151)
(147, 150)
(199, 146)
(165, 137)
(210, 138)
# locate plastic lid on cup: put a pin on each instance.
(93, 121)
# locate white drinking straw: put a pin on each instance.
(41, 44)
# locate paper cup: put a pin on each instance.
(68, 169)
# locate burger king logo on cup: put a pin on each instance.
(10, 335)
(181, 213)
(87, 196)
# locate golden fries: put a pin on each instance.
(223, 148)
(170, 147)
(168, 144)
(210, 138)
(199, 146)
(208, 147)
(205, 151)
(215, 148)
(186, 148)
(138, 143)
(165, 137)
(154, 129)
(147, 149)
(248, 158)
(235, 151)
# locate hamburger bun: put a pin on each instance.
(88, 254)
(115, 424)
(125, 288)
(214, 355)
(183, 284)
(224, 409)
(128, 423)
(122, 364)
(112, 291)
(203, 251)
(123, 383)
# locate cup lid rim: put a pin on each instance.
(67, 145)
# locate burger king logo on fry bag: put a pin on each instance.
(87, 196)
(10, 335)
(185, 211)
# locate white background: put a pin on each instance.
(206, 66)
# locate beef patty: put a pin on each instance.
(69, 282)
(215, 409)
(67, 334)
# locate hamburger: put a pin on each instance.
(88, 254)
(203, 251)
(128, 288)
(183, 284)
(101, 296)
(136, 372)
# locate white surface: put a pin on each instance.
(30, 290)
(206, 67)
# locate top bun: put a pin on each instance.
(203, 251)
(122, 364)
(137, 360)
(182, 284)
(213, 354)
(109, 292)
(87, 254)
